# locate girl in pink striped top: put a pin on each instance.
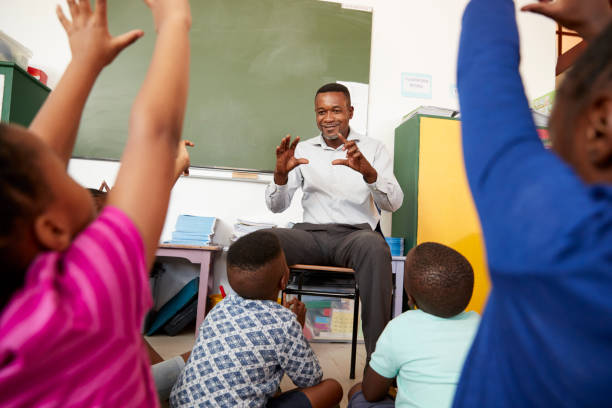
(75, 289)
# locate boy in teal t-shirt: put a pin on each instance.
(425, 348)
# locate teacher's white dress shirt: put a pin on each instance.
(337, 193)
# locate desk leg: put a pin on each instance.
(398, 270)
(206, 282)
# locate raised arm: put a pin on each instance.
(523, 192)
(494, 109)
(148, 168)
(92, 48)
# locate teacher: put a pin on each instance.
(346, 178)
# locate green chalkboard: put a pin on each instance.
(254, 70)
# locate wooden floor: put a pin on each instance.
(335, 358)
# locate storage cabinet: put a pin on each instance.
(438, 204)
(21, 95)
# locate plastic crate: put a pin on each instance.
(13, 51)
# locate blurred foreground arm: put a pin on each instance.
(148, 166)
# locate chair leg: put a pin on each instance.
(355, 326)
(300, 281)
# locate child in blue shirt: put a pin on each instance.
(545, 336)
(424, 348)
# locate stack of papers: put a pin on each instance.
(432, 110)
(193, 230)
(243, 227)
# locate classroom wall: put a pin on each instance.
(408, 36)
(422, 36)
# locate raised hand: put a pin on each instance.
(299, 309)
(92, 48)
(587, 17)
(356, 161)
(182, 158)
(285, 159)
(165, 11)
(90, 41)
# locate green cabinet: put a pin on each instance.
(406, 170)
(21, 95)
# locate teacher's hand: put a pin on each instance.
(285, 160)
(356, 161)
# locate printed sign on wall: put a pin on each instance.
(416, 85)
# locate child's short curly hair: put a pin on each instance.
(249, 264)
(440, 279)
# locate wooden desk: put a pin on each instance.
(202, 255)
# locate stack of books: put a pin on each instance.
(193, 230)
(243, 227)
(396, 245)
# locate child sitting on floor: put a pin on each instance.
(424, 348)
(248, 341)
(75, 286)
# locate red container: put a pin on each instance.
(38, 74)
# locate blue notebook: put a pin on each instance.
(193, 223)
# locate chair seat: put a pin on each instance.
(304, 267)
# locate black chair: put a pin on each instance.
(301, 271)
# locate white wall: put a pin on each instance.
(413, 36)
(199, 195)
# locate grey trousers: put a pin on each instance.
(351, 246)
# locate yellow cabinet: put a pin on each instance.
(438, 204)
